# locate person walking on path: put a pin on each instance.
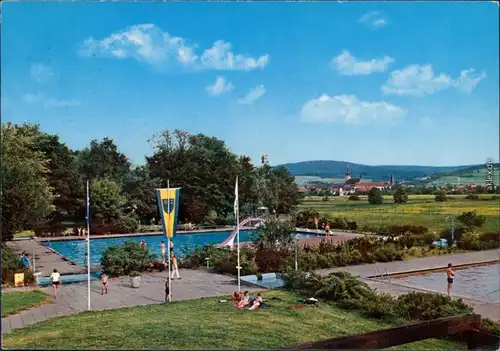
(56, 281)
(449, 278)
(175, 267)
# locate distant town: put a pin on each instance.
(470, 183)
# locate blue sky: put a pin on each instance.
(365, 82)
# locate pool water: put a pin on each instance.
(480, 282)
(76, 249)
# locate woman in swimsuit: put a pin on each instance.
(257, 303)
(104, 283)
(245, 300)
(56, 280)
(449, 278)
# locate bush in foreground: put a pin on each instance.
(352, 293)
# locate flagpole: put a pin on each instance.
(168, 243)
(237, 213)
(88, 247)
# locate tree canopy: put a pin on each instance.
(43, 179)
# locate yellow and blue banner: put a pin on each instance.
(168, 205)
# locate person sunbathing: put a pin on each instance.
(256, 303)
(245, 300)
(236, 296)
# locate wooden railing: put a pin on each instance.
(466, 325)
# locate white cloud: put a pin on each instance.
(62, 103)
(149, 43)
(348, 65)
(219, 87)
(37, 98)
(41, 73)
(373, 19)
(30, 98)
(253, 95)
(420, 80)
(348, 109)
(467, 81)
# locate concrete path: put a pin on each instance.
(46, 259)
(417, 264)
(73, 297)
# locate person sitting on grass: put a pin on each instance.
(245, 300)
(256, 303)
(236, 296)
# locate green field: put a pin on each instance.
(202, 324)
(420, 210)
(477, 177)
(17, 301)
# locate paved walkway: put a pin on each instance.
(417, 264)
(73, 297)
(46, 259)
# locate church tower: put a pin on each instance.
(393, 179)
(347, 174)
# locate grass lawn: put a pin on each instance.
(420, 210)
(201, 324)
(16, 301)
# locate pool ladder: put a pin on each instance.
(381, 274)
(491, 292)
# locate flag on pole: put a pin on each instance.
(236, 205)
(168, 205)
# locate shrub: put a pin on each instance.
(122, 259)
(305, 218)
(46, 229)
(490, 326)
(339, 286)
(375, 196)
(270, 260)
(127, 225)
(427, 238)
(402, 229)
(9, 273)
(400, 196)
(472, 197)
(198, 257)
(381, 305)
(302, 282)
(427, 306)
(441, 196)
(354, 198)
(471, 219)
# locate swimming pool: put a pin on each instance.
(479, 282)
(75, 249)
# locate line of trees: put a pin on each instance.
(43, 180)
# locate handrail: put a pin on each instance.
(491, 292)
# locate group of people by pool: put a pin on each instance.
(246, 301)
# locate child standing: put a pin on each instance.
(104, 283)
(56, 280)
